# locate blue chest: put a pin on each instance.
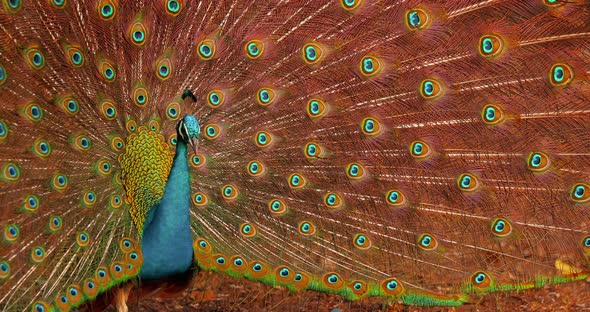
(167, 242)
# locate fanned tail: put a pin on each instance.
(420, 151)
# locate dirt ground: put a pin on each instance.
(214, 292)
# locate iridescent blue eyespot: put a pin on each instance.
(305, 227)
(164, 70)
(107, 10)
(368, 65)
(4, 268)
(276, 205)
(262, 138)
(333, 279)
(77, 58)
(37, 59)
(369, 126)
(205, 50)
(214, 98)
(331, 199)
(355, 171)
(561, 74)
(257, 267)
(466, 181)
(418, 148)
(310, 53)
(392, 285)
(479, 278)
(579, 191)
(14, 3)
(558, 74)
(536, 160)
(220, 260)
(35, 111)
(138, 36)
(428, 88)
(350, 5)
(314, 107)
(361, 239)
(490, 113)
(312, 150)
(253, 49)
(414, 19)
(284, 272)
(109, 73)
(72, 106)
(3, 130)
(173, 6)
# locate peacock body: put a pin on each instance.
(426, 152)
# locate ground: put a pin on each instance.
(215, 292)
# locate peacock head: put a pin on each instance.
(188, 130)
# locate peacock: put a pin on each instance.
(426, 152)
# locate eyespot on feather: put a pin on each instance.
(392, 287)
(296, 181)
(247, 230)
(306, 228)
(427, 242)
(490, 46)
(254, 49)
(206, 49)
(468, 183)
(560, 75)
(316, 108)
(333, 281)
(107, 9)
(538, 162)
(277, 206)
(417, 19)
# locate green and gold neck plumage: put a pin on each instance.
(427, 152)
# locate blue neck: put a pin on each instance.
(167, 243)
